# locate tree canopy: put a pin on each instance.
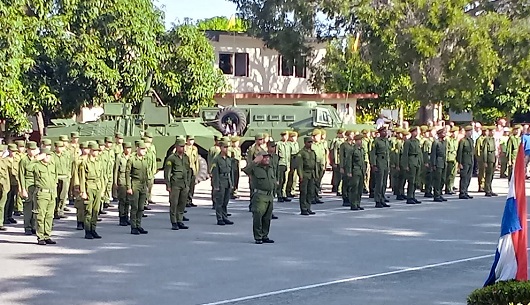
(58, 56)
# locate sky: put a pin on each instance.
(177, 10)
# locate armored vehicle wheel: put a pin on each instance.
(203, 171)
(232, 117)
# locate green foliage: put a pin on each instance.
(222, 24)
(501, 293)
(187, 79)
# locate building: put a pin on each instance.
(259, 75)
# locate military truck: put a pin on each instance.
(152, 116)
(249, 120)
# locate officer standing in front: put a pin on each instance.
(450, 174)
(63, 165)
(137, 177)
(438, 164)
(120, 183)
(292, 177)
(307, 173)
(284, 154)
(512, 147)
(235, 154)
(490, 160)
(412, 163)
(92, 186)
(177, 174)
(79, 202)
(193, 155)
(380, 163)
(264, 182)
(465, 156)
(45, 176)
(222, 182)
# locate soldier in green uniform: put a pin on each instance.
(320, 152)
(110, 158)
(264, 182)
(45, 176)
(193, 155)
(67, 151)
(272, 149)
(212, 153)
(284, 155)
(450, 174)
(63, 166)
(427, 170)
(503, 156)
(253, 150)
(46, 143)
(120, 183)
(222, 182)
(136, 179)
(292, 177)
(480, 159)
(490, 160)
(379, 160)
(438, 164)
(412, 163)
(153, 167)
(367, 142)
(178, 174)
(21, 153)
(307, 173)
(27, 187)
(371, 181)
(334, 157)
(345, 154)
(92, 185)
(512, 147)
(4, 184)
(118, 150)
(235, 154)
(74, 150)
(79, 202)
(355, 169)
(13, 179)
(465, 156)
(396, 172)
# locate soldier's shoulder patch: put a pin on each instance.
(168, 163)
(213, 165)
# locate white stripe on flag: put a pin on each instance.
(507, 265)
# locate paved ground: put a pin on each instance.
(428, 254)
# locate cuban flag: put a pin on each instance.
(511, 257)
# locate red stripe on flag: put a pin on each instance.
(519, 238)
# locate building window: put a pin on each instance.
(241, 64)
(234, 64)
(296, 68)
(225, 63)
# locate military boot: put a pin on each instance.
(95, 234)
(174, 226)
(123, 222)
(88, 234)
(80, 225)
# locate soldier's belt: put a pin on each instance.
(268, 193)
(62, 176)
(225, 174)
(45, 190)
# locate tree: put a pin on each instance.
(222, 24)
(187, 79)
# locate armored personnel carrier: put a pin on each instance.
(249, 120)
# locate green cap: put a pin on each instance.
(180, 142)
(235, 139)
(12, 147)
(63, 138)
(308, 139)
(224, 144)
(271, 144)
(127, 145)
(341, 130)
(283, 133)
(365, 131)
(136, 142)
(217, 138)
(316, 132)
(148, 134)
(31, 145)
(100, 142)
(118, 135)
(46, 151)
(358, 137)
(190, 137)
(141, 144)
(59, 144)
(74, 135)
(94, 146)
(147, 140)
(259, 136)
(83, 145)
(108, 139)
(225, 139)
(46, 142)
(20, 143)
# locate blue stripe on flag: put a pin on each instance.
(510, 219)
(492, 278)
(526, 144)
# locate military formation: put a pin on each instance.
(39, 180)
